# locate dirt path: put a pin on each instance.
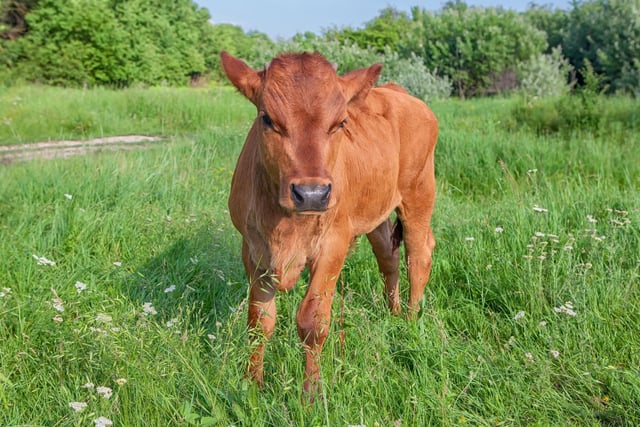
(63, 149)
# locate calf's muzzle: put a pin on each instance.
(310, 197)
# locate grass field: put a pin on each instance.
(122, 288)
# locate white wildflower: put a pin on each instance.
(102, 422)
(148, 308)
(499, 230)
(121, 381)
(43, 261)
(542, 324)
(171, 323)
(568, 248)
(554, 353)
(57, 319)
(68, 196)
(519, 315)
(117, 263)
(56, 303)
(170, 289)
(591, 219)
(539, 234)
(469, 239)
(537, 208)
(211, 337)
(104, 391)
(103, 318)
(89, 386)
(77, 406)
(80, 286)
(566, 308)
(529, 357)
(5, 292)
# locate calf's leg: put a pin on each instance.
(388, 256)
(415, 213)
(314, 313)
(262, 313)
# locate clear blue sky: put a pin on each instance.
(285, 18)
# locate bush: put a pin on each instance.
(545, 75)
(413, 75)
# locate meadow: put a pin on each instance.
(123, 297)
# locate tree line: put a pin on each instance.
(469, 51)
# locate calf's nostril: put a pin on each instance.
(310, 197)
(325, 196)
(296, 195)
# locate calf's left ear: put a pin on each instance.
(357, 84)
(244, 78)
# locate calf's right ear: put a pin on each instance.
(357, 83)
(244, 78)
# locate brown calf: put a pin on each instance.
(328, 158)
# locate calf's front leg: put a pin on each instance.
(262, 313)
(314, 313)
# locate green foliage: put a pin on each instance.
(164, 40)
(478, 51)
(391, 29)
(545, 75)
(478, 48)
(108, 42)
(235, 41)
(73, 43)
(606, 33)
(412, 74)
(585, 111)
(552, 22)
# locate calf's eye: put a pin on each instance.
(337, 127)
(266, 120)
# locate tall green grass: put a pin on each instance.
(32, 113)
(532, 315)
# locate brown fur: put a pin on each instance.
(379, 161)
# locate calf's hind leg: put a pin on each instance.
(419, 243)
(387, 254)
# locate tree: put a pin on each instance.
(606, 33)
(71, 42)
(234, 40)
(478, 48)
(391, 28)
(110, 42)
(164, 40)
(551, 21)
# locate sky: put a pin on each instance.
(285, 18)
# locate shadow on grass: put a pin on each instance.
(199, 276)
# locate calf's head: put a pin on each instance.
(303, 117)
